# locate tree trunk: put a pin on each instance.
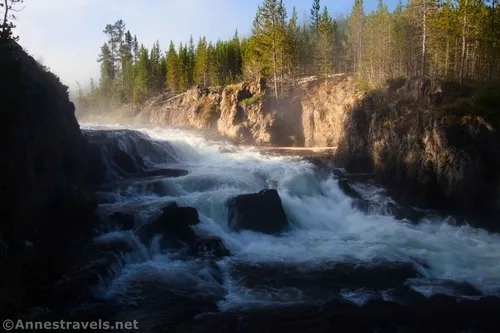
(464, 25)
(493, 40)
(4, 23)
(424, 36)
(281, 74)
(447, 56)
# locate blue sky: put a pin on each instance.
(66, 34)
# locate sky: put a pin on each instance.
(66, 35)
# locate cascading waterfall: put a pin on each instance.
(327, 232)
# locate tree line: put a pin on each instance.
(455, 40)
(449, 39)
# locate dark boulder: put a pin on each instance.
(211, 246)
(261, 212)
(348, 190)
(405, 212)
(125, 221)
(174, 225)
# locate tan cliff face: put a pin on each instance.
(324, 111)
(311, 115)
(245, 113)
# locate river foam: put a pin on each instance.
(326, 227)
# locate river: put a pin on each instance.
(328, 241)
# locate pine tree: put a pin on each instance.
(293, 44)
(212, 65)
(306, 50)
(173, 67)
(190, 65)
(235, 61)
(201, 63)
(323, 59)
(315, 16)
(143, 76)
(183, 67)
(157, 79)
(135, 48)
(269, 36)
(107, 71)
(355, 33)
(126, 49)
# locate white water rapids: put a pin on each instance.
(325, 226)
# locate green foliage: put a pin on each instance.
(363, 85)
(269, 39)
(453, 40)
(172, 75)
(315, 15)
(323, 60)
(143, 79)
(256, 98)
(207, 110)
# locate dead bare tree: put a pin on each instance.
(9, 8)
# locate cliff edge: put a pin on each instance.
(46, 205)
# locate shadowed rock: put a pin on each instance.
(261, 212)
(174, 225)
(211, 246)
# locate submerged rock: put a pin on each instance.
(115, 154)
(261, 212)
(209, 246)
(348, 190)
(125, 221)
(174, 225)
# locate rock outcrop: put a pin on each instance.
(261, 212)
(245, 113)
(46, 205)
(114, 154)
(427, 148)
(174, 225)
(325, 109)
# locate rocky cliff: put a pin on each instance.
(45, 203)
(432, 144)
(245, 113)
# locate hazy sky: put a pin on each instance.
(67, 34)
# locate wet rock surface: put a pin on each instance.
(261, 212)
(174, 225)
(118, 154)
